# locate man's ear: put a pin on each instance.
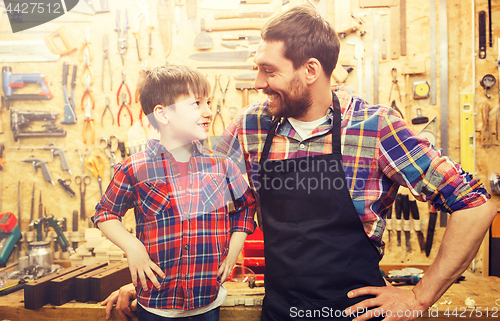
(313, 70)
(160, 114)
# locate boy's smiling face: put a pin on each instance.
(190, 118)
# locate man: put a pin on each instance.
(326, 167)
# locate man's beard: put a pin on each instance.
(295, 103)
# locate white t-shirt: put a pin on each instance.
(305, 128)
(180, 313)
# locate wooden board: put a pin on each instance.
(37, 293)
(83, 283)
(110, 280)
(63, 289)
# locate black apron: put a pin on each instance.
(316, 249)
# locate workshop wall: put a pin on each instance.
(465, 70)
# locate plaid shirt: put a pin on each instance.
(380, 152)
(186, 232)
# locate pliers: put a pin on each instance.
(218, 113)
(105, 56)
(125, 104)
(88, 93)
(143, 13)
(86, 56)
(124, 83)
(223, 89)
(122, 35)
(110, 113)
(88, 121)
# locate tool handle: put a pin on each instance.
(430, 230)
(398, 208)
(191, 8)
(230, 25)
(58, 151)
(415, 215)
(47, 175)
(65, 74)
(406, 212)
(388, 219)
(61, 239)
(73, 76)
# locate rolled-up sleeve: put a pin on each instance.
(118, 198)
(413, 162)
(242, 217)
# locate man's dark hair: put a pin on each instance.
(305, 35)
(163, 85)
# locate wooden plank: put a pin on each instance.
(83, 283)
(37, 293)
(63, 289)
(103, 284)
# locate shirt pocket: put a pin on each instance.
(154, 199)
(212, 193)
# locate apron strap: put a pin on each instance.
(336, 130)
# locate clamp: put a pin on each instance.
(125, 104)
(122, 36)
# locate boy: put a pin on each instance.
(179, 191)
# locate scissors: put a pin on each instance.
(65, 184)
(82, 157)
(85, 181)
(95, 164)
(110, 146)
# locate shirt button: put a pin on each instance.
(186, 247)
(180, 188)
(302, 146)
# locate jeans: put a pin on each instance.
(143, 315)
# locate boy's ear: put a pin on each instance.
(160, 114)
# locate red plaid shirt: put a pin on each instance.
(186, 232)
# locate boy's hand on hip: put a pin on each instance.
(141, 266)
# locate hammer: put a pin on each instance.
(245, 87)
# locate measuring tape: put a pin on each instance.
(421, 90)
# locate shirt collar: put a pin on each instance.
(155, 149)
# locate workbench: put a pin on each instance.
(485, 291)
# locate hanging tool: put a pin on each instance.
(485, 132)
(9, 235)
(430, 229)
(105, 56)
(69, 111)
(88, 120)
(384, 41)
(406, 221)
(417, 224)
(88, 94)
(494, 179)
(177, 14)
(109, 147)
(40, 163)
(87, 69)
(32, 210)
(203, 40)
(224, 88)
(122, 36)
(26, 51)
(75, 227)
(398, 207)
(443, 72)
(218, 113)
(125, 104)
(123, 85)
(21, 118)
(85, 181)
(376, 53)
(86, 49)
(164, 25)
(482, 34)
(489, 24)
(65, 184)
(433, 33)
(420, 119)
(421, 90)
(487, 82)
(389, 226)
(467, 133)
(394, 73)
(82, 158)
(73, 85)
(107, 108)
(359, 52)
(143, 14)
(95, 164)
(54, 151)
(11, 81)
(191, 13)
(64, 37)
(245, 87)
